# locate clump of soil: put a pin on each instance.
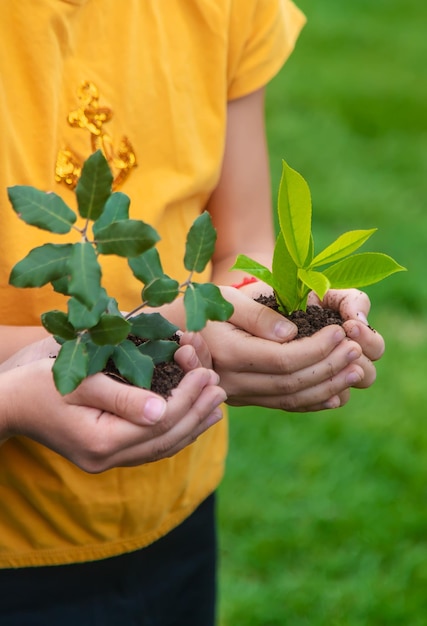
(166, 375)
(309, 321)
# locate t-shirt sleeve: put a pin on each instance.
(263, 34)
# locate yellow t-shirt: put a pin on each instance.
(160, 75)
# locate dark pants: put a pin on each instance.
(170, 583)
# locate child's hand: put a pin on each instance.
(104, 423)
(354, 307)
(259, 364)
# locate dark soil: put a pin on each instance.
(309, 321)
(166, 375)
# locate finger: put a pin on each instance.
(335, 402)
(130, 403)
(202, 357)
(187, 358)
(369, 373)
(193, 420)
(212, 419)
(351, 303)
(244, 353)
(162, 447)
(203, 414)
(136, 405)
(329, 394)
(372, 342)
(278, 384)
(187, 395)
(258, 319)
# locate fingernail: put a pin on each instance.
(333, 403)
(353, 378)
(154, 409)
(362, 318)
(282, 330)
(354, 332)
(214, 417)
(219, 399)
(353, 355)
(214, 379)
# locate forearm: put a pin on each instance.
(13, 338)
(241, 206)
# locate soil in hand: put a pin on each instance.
(166, 375)
(308, 322)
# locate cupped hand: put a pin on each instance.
(104, 423)
(259, 364)
(354, 307)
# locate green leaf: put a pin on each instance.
(294, 208)
(71, 366)
(343, 246)
(204, 302)
(134, 366)
(45, 210)
(310, 253)
(315, 281)
(159, 351)
(42, 265)
(94, 186)
(285, 277)
(152, 326)
(200, 244)
(147, 266)
(85, 274)
(116, 209)
(60, 285)
(361, 270)
(113, 307)
(160, 291)
(56, 323)
(82, 317)
(111, 329)
(98, 357)
(254, 268)
(126, 238)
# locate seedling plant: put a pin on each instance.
(93, 329)
(297, 270)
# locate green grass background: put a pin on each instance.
(323, 516)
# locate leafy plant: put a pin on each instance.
(296, 269)
(93, 330)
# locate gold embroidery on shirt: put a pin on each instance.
(91, 116)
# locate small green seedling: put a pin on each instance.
(93, 330)
(296, 269)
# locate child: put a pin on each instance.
(173, 94)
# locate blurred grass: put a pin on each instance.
(323, 516)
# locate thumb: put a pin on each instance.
(193, 352)
(258, 319)
(140, 406)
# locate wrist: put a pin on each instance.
(247, 280)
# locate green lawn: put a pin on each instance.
(323, 516)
